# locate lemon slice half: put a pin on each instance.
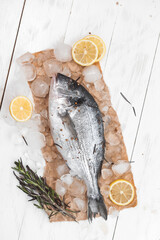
(100, 45)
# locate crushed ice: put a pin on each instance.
(35, 140)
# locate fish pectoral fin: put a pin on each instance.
(69, 125)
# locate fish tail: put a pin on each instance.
(95, 206)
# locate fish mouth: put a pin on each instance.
(60, 85)
(59, 78)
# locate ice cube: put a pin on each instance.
(62, 169)
(92, 74)
(67, 179)
(74, 67)
(107, 173)
(113, 153)
(66, 72)
(44, 113)
(106, 165)
(60, 188)
(29, 71)
(26, 58)
(105, 108)
(36, 118)
(63, 52)
(40, 88)
(105, 190)
(121, 167)
(40, 71)
(73, 174)
(49, 141)
(99, 85)
(112, 139)
(51, 67)
(35, 140)
(48, 157)
(40, 172)
(81, 204)
(107, 120)
(77, 187)
(113, 212)
(43, 56)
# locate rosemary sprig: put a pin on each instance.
(37, 189)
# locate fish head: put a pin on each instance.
(66, 91)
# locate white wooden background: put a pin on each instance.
(131, 31)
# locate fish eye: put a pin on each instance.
(76, 101)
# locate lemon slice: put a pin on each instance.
(100, 45)
(84, 52)
(21, 108)
(121, 192)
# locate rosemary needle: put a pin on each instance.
(134, 111)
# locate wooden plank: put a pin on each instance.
(9, 21)
(130, 47)
(43, 24)
(110, 11)
(98, 18)
(128, 69)
(128, 64)
(144, 220)
(28, 42)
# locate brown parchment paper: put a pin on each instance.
(112, 130)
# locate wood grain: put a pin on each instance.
(128, 68)
(43, 24)
(130, 30)
(144, 220)
(9, 24)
